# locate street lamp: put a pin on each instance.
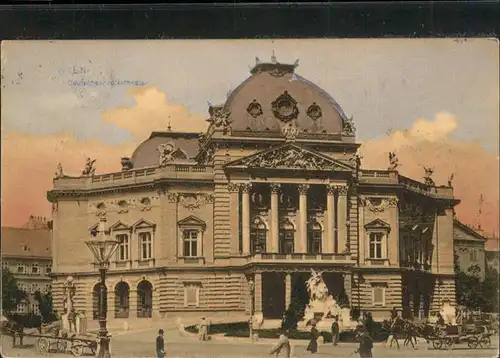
(103, 247)
(251, 286)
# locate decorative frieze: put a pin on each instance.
(120, 206)
(377, 204)
(193, 201)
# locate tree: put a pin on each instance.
(490, 290)
(11, 294)
(45, 306)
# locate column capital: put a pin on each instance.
(303, 188)
(275, 187)
(246, 187)
(233, 187)
(337, 189)
(173, 197)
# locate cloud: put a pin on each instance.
(151, 111)
(29, 160)
(428, 143)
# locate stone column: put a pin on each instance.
(273, 245)
(258, 292)
(328, 238)
(245, 217)
(288, 290)
(302, 248)
(234, 193)
(342, 218)
(348, 286)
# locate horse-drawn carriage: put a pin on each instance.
(445, 337)
(58, 341)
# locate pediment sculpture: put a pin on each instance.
(290, 157)
(349, 128)
(379, 205)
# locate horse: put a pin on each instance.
(9, 327)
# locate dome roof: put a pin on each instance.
(183, 148)
(274, 96)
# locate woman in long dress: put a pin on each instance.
(313, 343)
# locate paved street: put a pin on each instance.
(142, 344)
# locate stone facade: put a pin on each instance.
(469, 248)
(272, 189)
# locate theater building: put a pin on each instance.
(272, 189)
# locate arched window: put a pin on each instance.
(287, 235)
(314, 234)
(258, 236)
(121, 300)
(144, 299)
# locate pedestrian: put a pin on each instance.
(282, 345)
(313, 343)
(395, 328)
(160, 344)
(203, 330)
(365, 344)
(335, 331)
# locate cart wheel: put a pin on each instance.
(486, 342)
(43, 346)
(472, 344)
(77, 348)
(437, 344)
(448, 343)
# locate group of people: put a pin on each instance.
(202, 336)
(363, 337)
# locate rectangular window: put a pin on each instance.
(315, 242)
(378, 295)
(21, 268)
(191, 295)
(145, 244)
(48, 269)
(22, 307)
(190, 238)
(34, 269)
(34, 287)
(5, 264)
(122, 247)
(286, 240)
(376, 245)
(35, 308)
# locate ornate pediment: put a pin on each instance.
(119, 226)
(289, 156)
(143, 224)
(191, 221)
(378, 224)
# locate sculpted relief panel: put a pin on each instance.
(378, 205)
(291, 157)
(120, 206)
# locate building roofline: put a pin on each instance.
(174, 135)
(469, 230)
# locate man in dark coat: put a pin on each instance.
(365, 344)
(335, 331)
(160, 344)
(313, 343)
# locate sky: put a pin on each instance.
(433, 102)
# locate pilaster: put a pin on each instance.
(329, 237)
(342, 218)
(274, 242)
(234, 190)
(245, 217)
(258, 292)
(288, 290)
(303, 188)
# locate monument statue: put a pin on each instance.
(449, 314)
(428, 176)
(321, 305)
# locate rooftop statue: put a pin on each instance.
(59, 172)
(393, 161)
(428, 176)
(89, 168)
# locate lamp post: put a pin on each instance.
(251, 286)
(70, 292)
(103, 247)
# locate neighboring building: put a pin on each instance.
(469, 247)
(270, 191)
(26, 252)
(493, 260)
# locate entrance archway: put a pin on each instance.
(273, 294)
(144, 299)
(122, 291)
